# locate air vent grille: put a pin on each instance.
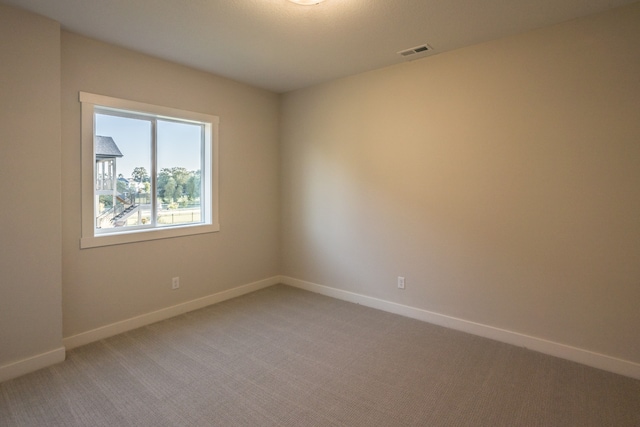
(415, 52)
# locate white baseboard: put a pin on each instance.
(31, 364)
(165, 313)
(585, 357)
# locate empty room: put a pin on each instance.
(320, 213)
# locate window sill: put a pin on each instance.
(146, 235)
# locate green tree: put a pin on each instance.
(163, 179)
(140, 174)
(181, 175)
(169, 189)
(193, 186)
(179, 191)
(106, 202)
(177, 182)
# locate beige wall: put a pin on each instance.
(30, 263)
(109, 284)
(502, 180)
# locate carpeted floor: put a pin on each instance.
(286, 357)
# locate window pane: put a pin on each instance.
(123, 163)
(179, 153)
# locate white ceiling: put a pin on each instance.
(281, 46)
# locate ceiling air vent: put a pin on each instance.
(415, 52)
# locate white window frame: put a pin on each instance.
(90, 236)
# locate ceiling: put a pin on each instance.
(282, 46)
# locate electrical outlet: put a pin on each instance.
(175, 283)
(400, 282)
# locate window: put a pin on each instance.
(148, 172)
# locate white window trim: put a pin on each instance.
(90, 238)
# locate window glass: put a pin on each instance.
(179, 169)
(123, 146)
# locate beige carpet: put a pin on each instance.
(286, 357)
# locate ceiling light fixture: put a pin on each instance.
(306, 2)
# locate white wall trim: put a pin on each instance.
(165, 313)
(31, 364)
(574, 354)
